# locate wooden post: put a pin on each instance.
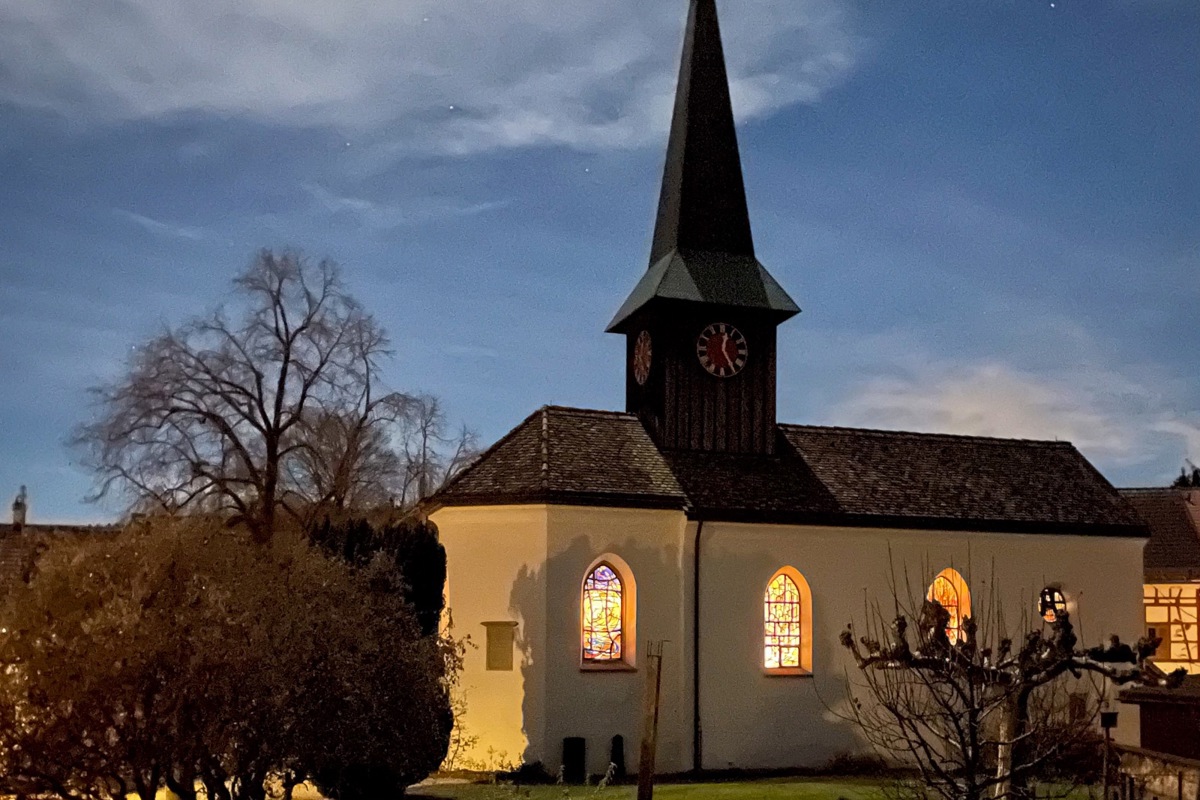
(1108, 721)
(650, 720)
(1104, 769)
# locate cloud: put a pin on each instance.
(1115, 419)
(384, 216)
(457, 76)
(1186, 429)
(160, 228)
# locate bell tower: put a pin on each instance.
(700, 324)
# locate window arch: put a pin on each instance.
(607, 614)
(787, 624)
(1052, 604)
(952, 593)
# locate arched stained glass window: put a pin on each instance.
(603, 615)
(944, 593)
(782, 617)
(1052, 604)
(950, 591)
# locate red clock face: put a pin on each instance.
(722, 350)
(642, 355)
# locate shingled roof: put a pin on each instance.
(819, 475)
(1173, 517)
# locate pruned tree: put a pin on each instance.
(985, 715)
(272, 409)
(1189, 477)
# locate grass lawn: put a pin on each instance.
(776, 789)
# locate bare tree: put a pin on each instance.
(983, 716)
(430, 450)
(275, 408)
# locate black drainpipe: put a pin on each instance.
(697, 734)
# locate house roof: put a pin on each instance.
(1173, 517)
(20, 547)
(819, 475)
(1187, 693)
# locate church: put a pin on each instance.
(695, 519)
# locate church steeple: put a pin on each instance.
(703, 200)
(700, 324)
(703, 250)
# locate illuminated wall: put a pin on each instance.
(491, 551)
(529, 565)
(1171, 614)
(796, 717)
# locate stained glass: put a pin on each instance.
(1051, 604)
(943, 592)
(781, 623)
(602, 615)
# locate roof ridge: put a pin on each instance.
(545, 437)
(844, 429)
(598, 412)
(1155, 489)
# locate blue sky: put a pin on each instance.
(989, 210)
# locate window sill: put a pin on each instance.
(787, 672)
(606, 666)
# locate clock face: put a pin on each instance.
(722, 350)
(642, 355)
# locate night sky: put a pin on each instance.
(989, 210)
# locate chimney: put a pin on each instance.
(19, 507)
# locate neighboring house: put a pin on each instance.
(21, 542)
(1167, 764)
(696, 520)
(1169, 718)
(1171, 565)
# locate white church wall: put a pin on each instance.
(495, 557)
(598, 704)
(527, 564)
(755, 720)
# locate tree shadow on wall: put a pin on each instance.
(562, 699)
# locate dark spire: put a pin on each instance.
(703, 200)
(703, 250)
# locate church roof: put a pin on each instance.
(819, 475)
(703, 250)
(569, 454)
(1173, 517)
